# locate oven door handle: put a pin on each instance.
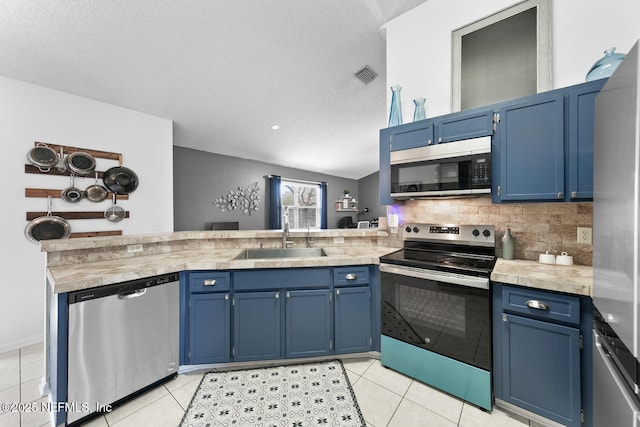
(438, 276)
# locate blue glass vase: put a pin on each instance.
(418, 112)
(606, 65)
(395, 115)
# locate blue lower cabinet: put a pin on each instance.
(541, 371)
(210, 331)
(257, 325)
(308, 323)
(353, 319)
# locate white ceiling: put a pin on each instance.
(223, 71)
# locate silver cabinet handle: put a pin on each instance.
(351, 276)
(210, 282)
(288, 295)
(337, 291)
(277, 295)
(574, 194)
(560, 195)
(499, 190)
(226, 297)
(538, 305)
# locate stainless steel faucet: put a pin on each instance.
(285, 229)
(309, 239)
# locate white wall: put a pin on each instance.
(32, 113)
(419, 43)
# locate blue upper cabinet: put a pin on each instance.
(464, 125)
(580, 148)
(530, 150)
(411, 135)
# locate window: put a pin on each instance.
(302, 200)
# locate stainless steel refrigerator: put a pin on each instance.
(616, 248)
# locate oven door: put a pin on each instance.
(448, 314)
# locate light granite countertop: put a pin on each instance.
(67, 278)
(571, 279)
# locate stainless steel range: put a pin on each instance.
(436, 317)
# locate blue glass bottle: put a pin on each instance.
(606, 65)
(395, 115)
(418, 112)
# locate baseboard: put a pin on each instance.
(25, 342)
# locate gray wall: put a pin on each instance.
(200, 177)
(369, 197)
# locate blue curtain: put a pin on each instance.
(323, 208)
(275, 206)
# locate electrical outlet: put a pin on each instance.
(134, 248)
(585, 235)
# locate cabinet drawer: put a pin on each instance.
(414, 135)
(299, 278)
(209, 281)
(541, 305)
(351, 276)
(465, 126)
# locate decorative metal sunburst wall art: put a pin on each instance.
(246, 199)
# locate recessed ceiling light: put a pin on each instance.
(275, 127)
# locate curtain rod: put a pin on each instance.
(302, 181)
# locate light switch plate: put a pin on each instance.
(585, 235)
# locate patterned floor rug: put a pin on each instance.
(310, 394)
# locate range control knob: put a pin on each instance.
(475, 232)
(486, 233)
(416, 230)
(408, 229)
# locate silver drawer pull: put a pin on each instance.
(538, 305)
(210, 282)
(351, 276)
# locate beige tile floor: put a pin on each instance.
(386, 398)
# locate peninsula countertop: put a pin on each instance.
(571, 279)
(67, 278)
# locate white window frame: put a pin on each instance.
(294, 222)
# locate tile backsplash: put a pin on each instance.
(536, 227)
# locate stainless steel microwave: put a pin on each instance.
(450, 169)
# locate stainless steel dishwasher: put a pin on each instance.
(122, 339)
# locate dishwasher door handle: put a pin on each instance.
(134, 294)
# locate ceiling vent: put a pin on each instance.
(366, 75)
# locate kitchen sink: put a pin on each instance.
(281, 253)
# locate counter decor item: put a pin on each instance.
(606, 65)
(507, 245)
(418, 112)
(395, 115)
(547, 258)
(47, 227)
(247, 199)
(564, 259)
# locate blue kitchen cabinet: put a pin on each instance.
(384, 176)
(210, 331)
(353, 332)
(352, 305)
(206, 334)
(308, 323)
(265, 327)
(257, 325)
(538, 361)
(411, 135)
(465, 125)
(580, 147)
(530, 150)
